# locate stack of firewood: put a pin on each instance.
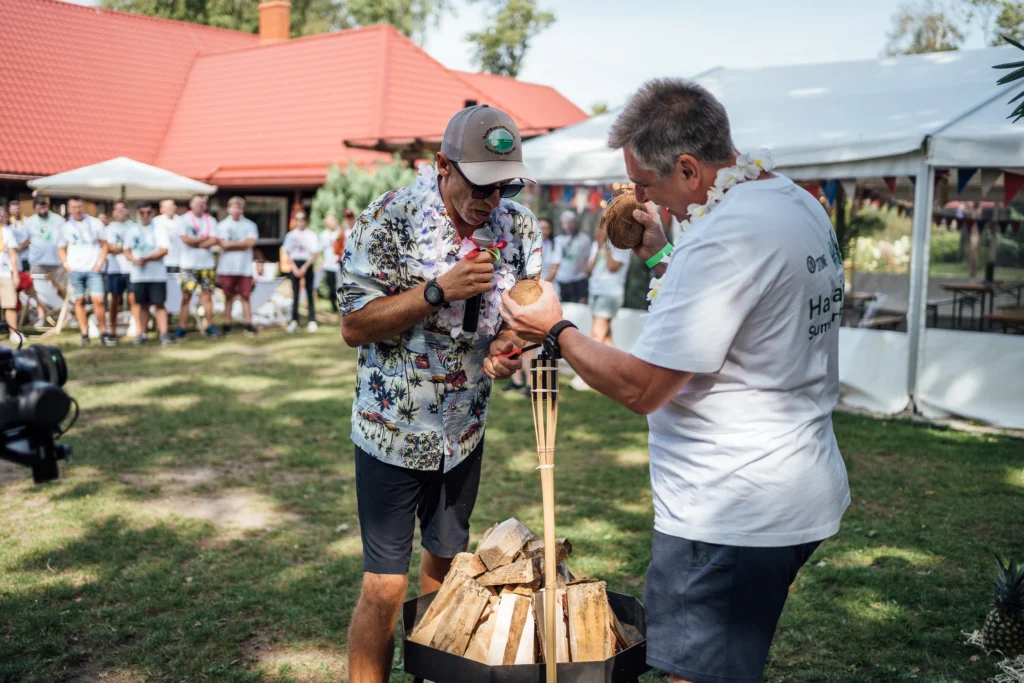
(490, 607)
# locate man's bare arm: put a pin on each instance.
(385, 317)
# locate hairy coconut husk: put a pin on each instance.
(525, 292)
(623, 231)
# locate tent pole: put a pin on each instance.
(924, 192)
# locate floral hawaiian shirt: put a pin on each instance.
(421, 398)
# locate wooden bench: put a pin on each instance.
(882, 322)
(933, 308)
(1009, 318)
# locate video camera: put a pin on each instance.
(32, 407)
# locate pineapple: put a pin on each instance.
(1004, 625)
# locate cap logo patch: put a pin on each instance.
(500, 140)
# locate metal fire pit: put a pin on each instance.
(426, 663)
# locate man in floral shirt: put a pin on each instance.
(414, 258)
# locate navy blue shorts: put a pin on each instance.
(117, 283)
(390, 498)
(712, 609)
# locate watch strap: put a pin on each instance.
(551, 346)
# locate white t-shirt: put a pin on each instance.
(116, 232)
(9, 241)
(547, 258)
(752, 300)
(82, 239)
(301, 245)
(236, 262)
(332, 261)
(20, 230)
(143, 240)
(196, 258)
(603, 282)
(45, 235)
(571, 256)
(173, 226)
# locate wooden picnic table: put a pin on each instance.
(1009, 318)
(971, 291)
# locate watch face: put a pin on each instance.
(434, 294)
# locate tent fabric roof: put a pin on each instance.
(66, 100)
(846, 119)
(216, 105)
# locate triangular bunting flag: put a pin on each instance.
(849, 188)
(1012, 182)
(556, 193)
(988, 179)
(963, 176)
(891, 181)
(913, 180)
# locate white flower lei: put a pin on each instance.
(748, 167)
(436, 260)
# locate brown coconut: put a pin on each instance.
(623, 231)
(525, 292)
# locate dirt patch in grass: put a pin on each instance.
(302, 665)
(9, 472)
(232, 511)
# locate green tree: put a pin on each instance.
(1016, 74)
(355, 187)
(502, 46)
(598, 108)
(925, 26)
(997, 19)
(308, 17)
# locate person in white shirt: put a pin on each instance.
(44, 229)
(736, 367)
(172, 224)
(146, 245)
(196, 263)
(82, 250)
(302, 247)
(571, 250)
(608, 267)
(331, 256)
(9, 275)
(17, 223)
(118, 265)
(237, 236)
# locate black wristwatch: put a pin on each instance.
(433, 293)
(551, 346)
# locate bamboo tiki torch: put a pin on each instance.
(544, 372)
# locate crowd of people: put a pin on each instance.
(108, 258)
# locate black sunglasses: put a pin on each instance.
(484, 191)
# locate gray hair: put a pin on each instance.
(567, 216)
(668, 117)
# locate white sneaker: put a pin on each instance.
(312, 326)
(578, 384)
(40, 324)
(15, 338)
(292, 326)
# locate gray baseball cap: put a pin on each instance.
(485, 142)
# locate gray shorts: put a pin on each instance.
(605, 306)
(712, 609)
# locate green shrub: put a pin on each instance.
(945, 247)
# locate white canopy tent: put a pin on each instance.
(895, 116)
(121, 178)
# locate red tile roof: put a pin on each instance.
(218, 106)
(82, 84)
(547, 109)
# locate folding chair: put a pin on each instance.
(47, 295)
(263, 308)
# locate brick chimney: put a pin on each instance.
(275, 21)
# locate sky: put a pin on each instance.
(602, 50)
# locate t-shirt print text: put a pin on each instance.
(825, 310)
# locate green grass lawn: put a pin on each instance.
(207, 530)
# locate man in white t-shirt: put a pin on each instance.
(118, 265)
(332, 256)
(198, 234)
(237, 236)
(572, 248)
(737, 369)
(44, 230)
(608, 267)
(9, 275)
(82, 250)
(146, 245)
(302, 246)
